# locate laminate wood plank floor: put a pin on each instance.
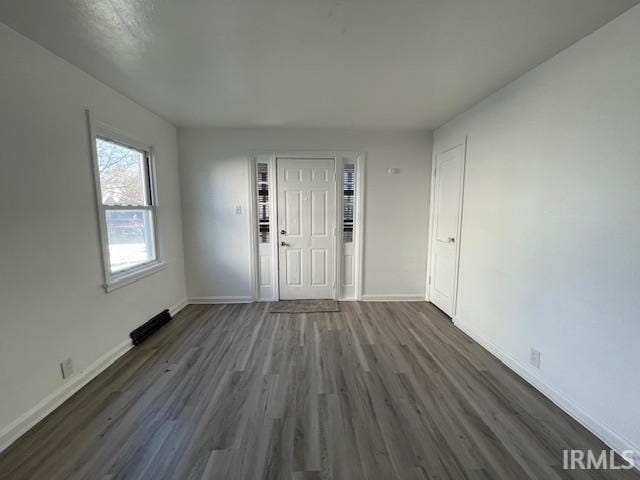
(377, 391)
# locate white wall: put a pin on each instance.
(52, 304)
(213, 172)
(551, 230)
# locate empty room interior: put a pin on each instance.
(319, 239)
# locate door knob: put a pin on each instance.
(282, 232)
(451, 240)
(284, 244)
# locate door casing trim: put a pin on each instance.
(340, 157)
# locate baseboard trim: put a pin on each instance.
(29, 419)
(603, 432)
(365, 298)
(219, 300)
(393, 297)
(175, 309)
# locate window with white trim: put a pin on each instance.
(127, 208)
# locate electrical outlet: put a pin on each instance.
(534, 358)
(66, 368)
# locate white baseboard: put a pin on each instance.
(27, 420)
(393, 297)
(217, 300)
(365, 298)
(603, 432)
(173, 310)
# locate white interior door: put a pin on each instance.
(446, 228)
(306, 228)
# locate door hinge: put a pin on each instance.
(429, 279)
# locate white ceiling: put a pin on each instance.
(324, 63)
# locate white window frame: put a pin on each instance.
(112, 281)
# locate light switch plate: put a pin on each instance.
(534, 358)
(66, 368)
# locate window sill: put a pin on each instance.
(131, 276)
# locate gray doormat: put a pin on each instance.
(304, 306)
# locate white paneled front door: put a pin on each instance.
(306, 228)
(446, 228)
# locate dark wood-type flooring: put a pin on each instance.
(379, 391)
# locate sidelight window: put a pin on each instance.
(349, 184)
(263, 202)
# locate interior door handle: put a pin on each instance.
(451, 240)
(284, 244)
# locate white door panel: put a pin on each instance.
(293, 175)
(319, 218)
(319, 175)
(446, 224)
(448, 190)
(265, 271)
(319, 267)
(347, 271)
(292, 209)
(307, 215)
(293, 259)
